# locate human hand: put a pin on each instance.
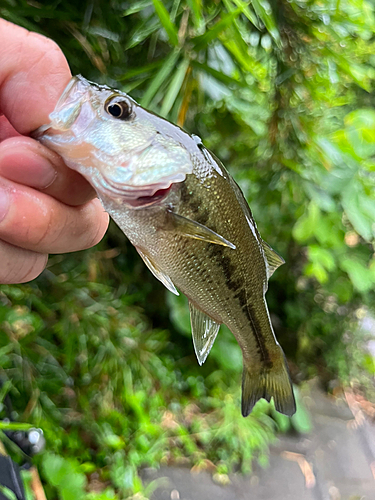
(45, 207)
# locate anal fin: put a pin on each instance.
(193, 229)
(204, 330)
(158, 273)
(274, 260)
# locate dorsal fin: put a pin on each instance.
(158, 273)
(204, 330)
(274, 260)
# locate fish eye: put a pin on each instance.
(120, 109)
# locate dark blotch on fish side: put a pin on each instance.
(185, 196)
(203, 217)
(215, 251)
(194, 207)
(227, 266)
(262, 349)
(241, 296)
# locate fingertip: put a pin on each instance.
(34, 268)
(25, 161)
(19, 265)
(34, 72)
(101, 218)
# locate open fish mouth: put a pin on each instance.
(145, 201)
(134, 196)
(128, 160)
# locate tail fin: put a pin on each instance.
(274, 382)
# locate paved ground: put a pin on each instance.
(336, 461)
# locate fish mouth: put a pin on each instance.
(146, 201)
(134, 196)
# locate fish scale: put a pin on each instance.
(187, 218)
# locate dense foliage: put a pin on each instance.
(95, 351)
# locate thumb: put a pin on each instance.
(33, 74)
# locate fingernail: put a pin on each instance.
(4, 203)
(47, 173)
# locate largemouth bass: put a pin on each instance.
(187, 218)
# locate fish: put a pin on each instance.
(187, 218)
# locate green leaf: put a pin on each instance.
(142, 32)
(218, 75)
(317, 270)
(369, 364)
(301, 420)
(264, 11)
(137, 7)
(14, 426)
(165, 20)
(8, 494)
(362, 222)
(247, 12)
(236, 46)
(174, 87)
(304, 227)
(64, 475)
(196, 9)
(360, 131)
(359, 274)
(321, 256)
(202, 41)
(358, 72)
(160, 77)
(282, 421)
(139, 71)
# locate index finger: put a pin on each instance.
(33, 74)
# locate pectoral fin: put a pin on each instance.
(158, 273)
(204, 330)
(193, 229)
(274, 260)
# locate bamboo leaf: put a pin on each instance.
(143, 31)
(196, 9)
(246, 62)
(264, 12)
(132, 73)
(166, 22)
(174, 87)
(137, 7)
(247, 12)
(222, 77)
(212, 33)
(159, 79)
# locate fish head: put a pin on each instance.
(124, 151)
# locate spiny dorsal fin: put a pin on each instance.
(204, 330)
(158, 273)
(274, 260)
(193, 229)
